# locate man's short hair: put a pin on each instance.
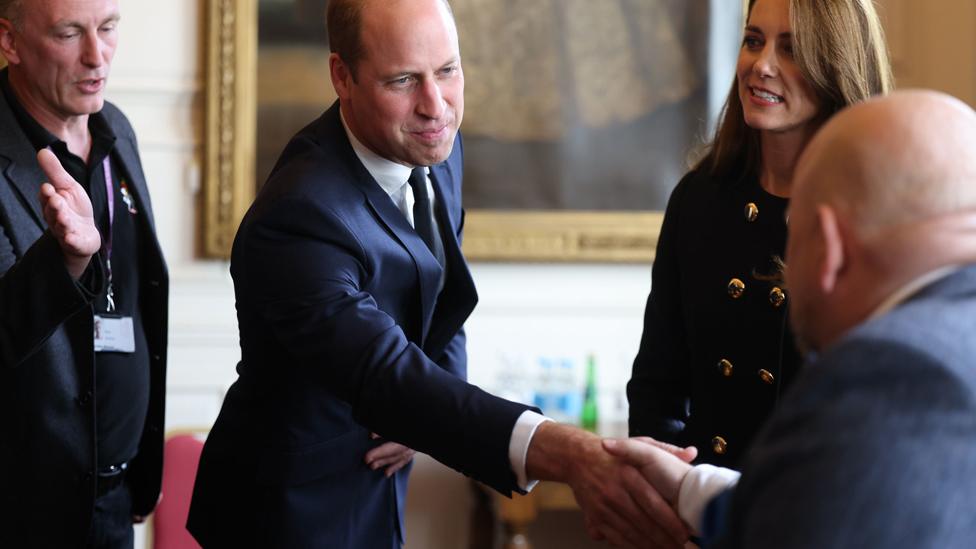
(11, 10)
(343, 21)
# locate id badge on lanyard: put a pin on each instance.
(113, 332)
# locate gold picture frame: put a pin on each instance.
(490, 235)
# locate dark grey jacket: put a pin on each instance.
(876, 446)
(47, 404)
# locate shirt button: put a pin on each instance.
(736, 288)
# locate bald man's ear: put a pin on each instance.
(8, 44)
(833, 260)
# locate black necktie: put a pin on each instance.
(423, 221)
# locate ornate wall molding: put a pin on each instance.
(561, 236)
(231, 120)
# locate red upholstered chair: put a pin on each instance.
(180, 458)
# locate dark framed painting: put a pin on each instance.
(580, 115)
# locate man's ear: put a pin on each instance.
(833, 260)
(341, 76)
(8, 42)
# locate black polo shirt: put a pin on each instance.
(121, 379)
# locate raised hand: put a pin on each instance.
(68, 213)
(618, 503)
(391, 455)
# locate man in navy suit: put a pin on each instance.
(351, 295)
(876, 446)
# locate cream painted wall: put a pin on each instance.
(526, 311)
(933, 44)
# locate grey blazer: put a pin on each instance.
(876, 446)
(47, 404)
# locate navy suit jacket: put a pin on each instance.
(876, 446)
(342, 333)
(47, 357)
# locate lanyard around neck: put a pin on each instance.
(107, 238)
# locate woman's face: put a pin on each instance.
(775, 96)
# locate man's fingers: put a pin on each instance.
(54, 171)
(392, 469)
(655, 508)
(389, 453)
(385, 450)
(686, 454)
(630, 451)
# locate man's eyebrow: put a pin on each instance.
(68, 23)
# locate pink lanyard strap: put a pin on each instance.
(110, 197)
(110, 193)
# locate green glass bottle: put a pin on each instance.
(588, 419)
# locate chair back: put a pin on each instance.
(181, 455)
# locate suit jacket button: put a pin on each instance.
(719, 445)
(752, 212)
(725, 367)
(736, 288)
(766, 376)
(84, 399)
(777, 296)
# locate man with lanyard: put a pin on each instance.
(83, 336)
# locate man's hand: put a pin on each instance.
(618, 504)
(663, 465)
(391, 455)
(68, 213)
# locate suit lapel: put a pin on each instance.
(429, 271)
(128, 158)
(22, 170)
(458, 297)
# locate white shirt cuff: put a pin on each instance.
(699, 486)
(518, 446)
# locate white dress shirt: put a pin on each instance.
(392, 178)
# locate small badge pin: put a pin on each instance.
(130, 203)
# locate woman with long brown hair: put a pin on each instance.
(717, 353)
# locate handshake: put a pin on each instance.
(627, 488)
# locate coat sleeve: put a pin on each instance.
(874, 450)
(304, 277)
(659, 387)
(37, 294)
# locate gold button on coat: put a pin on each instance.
(752, 212)
(777, 296)
(736, 288)
(766, 376)
(719, 445)
(725, 367)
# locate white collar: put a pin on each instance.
(390, 175)
(911, 288)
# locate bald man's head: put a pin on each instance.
(883, 194)
(894, 160)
